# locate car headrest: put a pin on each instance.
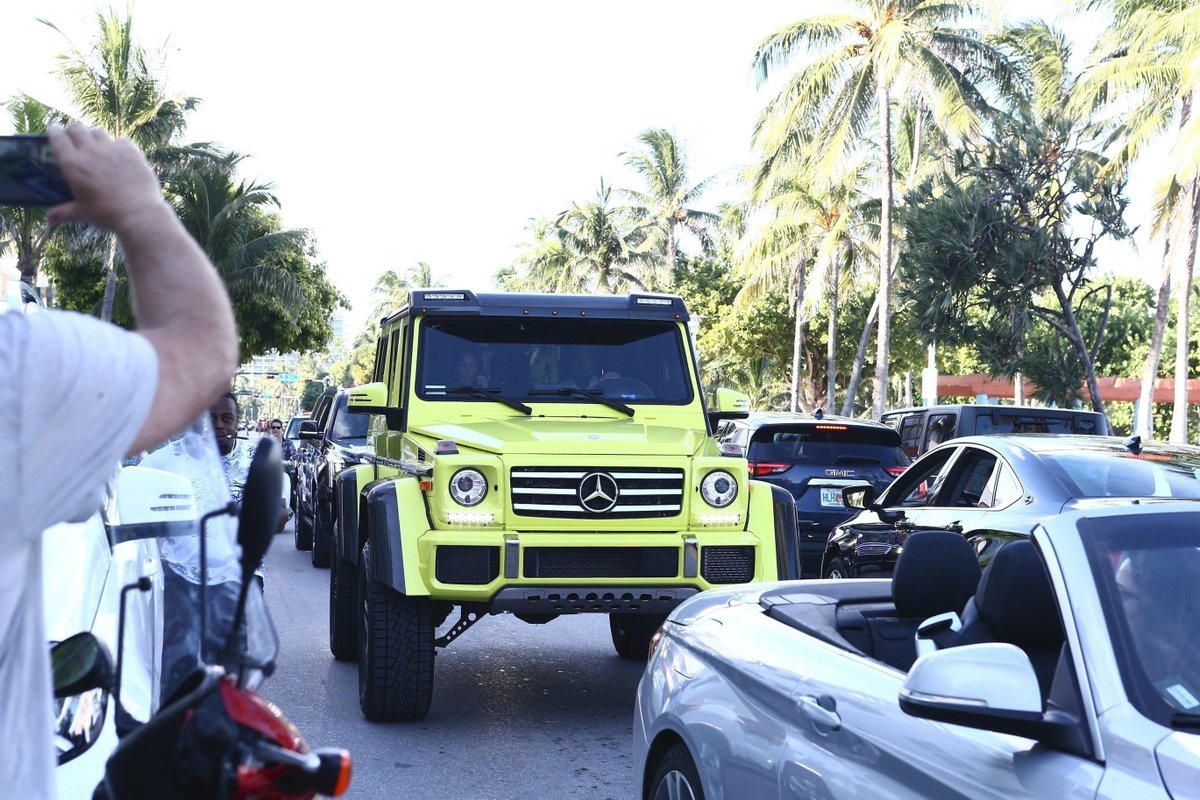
(937, 572)
(1016, 600)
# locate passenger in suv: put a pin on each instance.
(814, 457)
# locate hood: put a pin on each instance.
(592, 436)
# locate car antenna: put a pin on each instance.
(818, 414)
(1134, 444)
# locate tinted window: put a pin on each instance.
(919, 485)
(827, 444)
(910, 434)
(348, 426)
(970, 480)
(1147, 586)
(1025, 422)
(1116, 474)
(640, 361)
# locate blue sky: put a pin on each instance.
(410, 132)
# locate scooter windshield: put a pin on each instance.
(201, 565)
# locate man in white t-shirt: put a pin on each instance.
(79, 394)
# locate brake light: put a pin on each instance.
(895, 471)
(760, 468)
(828, 427)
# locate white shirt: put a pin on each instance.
(74, 392)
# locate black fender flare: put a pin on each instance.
(787, 537)
(346, 535)
(382, 546)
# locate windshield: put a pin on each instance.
(546, 360)
(293, 429)
(1147, 583)
(1099, 473)
(349, 427)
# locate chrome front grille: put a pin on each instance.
(597, 492)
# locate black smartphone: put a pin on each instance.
(29, 174)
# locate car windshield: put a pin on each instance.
(1101, 473)
(553, 360)
(1147, 574)
(827, 444)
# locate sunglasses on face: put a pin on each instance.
(276, 427)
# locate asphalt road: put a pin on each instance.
(519, 711)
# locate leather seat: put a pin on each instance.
(1015, 604)
(937, 572)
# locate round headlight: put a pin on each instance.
(718, 488)
(468, 487)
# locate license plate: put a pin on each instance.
(832, 496)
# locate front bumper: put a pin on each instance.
(590, 599)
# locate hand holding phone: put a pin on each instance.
(29, 173)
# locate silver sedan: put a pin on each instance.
(1070, 668)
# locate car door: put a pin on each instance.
(952, 500)
(860, 744)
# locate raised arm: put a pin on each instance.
(179, 303)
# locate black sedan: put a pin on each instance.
(993, 489)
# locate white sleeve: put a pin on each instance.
(85, 389)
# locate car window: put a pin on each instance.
(920, 484)
(910, 435)
(967, 483)
(942, 428)
(293, 429)
(349, 427)
(826, 444)
(1003, 490)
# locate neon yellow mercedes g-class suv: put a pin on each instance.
(536, 455)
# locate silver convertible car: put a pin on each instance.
(1068, 668)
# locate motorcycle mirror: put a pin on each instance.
(260, 504)
(80, 663)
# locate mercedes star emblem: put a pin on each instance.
(598, 492)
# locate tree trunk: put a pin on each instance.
(110, 278)
(860, 358)
(831, 350)
(1179, 413)
(798, 338)
(1144, 424)
(1070, 328)
(883, 340)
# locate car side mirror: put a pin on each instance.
(152, 504)
(309, 430)
(79, 664)
(987, 686)
(371, 398)
(860, 496)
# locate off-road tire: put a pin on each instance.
(395, 652)
(303, 530)
(836, 569)
(676, 777)
(631, 633)
(343, 606)
(322, 536)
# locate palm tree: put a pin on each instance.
(861, 61)
(605, 250)
(667, 203)
(228, 218)
(543, 264)
(1145, 69)
(392, 287)
(115, 87)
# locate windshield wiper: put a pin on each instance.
(1182, 719)
(491, 393)
(594, 395)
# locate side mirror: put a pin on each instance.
(987, 686)
(861, 496)
(730, 401)
(371, 398)
(309, 430)
(260, 505)
(79, 664)
(152, 504)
